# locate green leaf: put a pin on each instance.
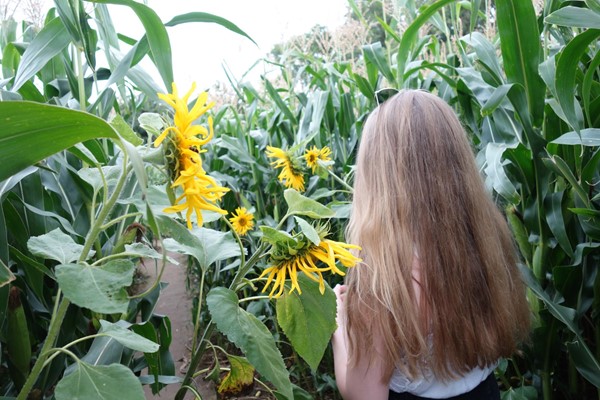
(145, 251)
(521, 51)
(562, 168)
(128, 338)
(274, 236)
(125, 131)
(56, 245)
(251, 336)
(574, 16)
(495, 99)
(101, 289)
(308, 319)
(494, 171)
(521, 393)
(49, 42)
(309, 231)
(205, 245)
(31, 132)
(375, 54)
(564, 314)
(556, 222)
(566, 73)
(587, 137)
(102, 382)
(410, 37)
(239, 378)
(156, 33)
(6, 276)
(206, 17)
(301, 205)
(585, 362)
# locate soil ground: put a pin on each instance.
(175, 301)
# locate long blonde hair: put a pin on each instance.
(420, 203)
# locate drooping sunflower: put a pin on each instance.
(199, 191)
(309, 258)
(313, 155)
(291, 174)
(242, 221)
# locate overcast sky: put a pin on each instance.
(200, 49)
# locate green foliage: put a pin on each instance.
(251, 336)
(308, 320)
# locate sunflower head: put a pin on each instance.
(242, 221)
(197, 190)
(288, 257)
(291, 174)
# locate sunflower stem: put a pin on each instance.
(340, 180)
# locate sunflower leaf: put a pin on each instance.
(302, 205)
(251, 336)
(308, 319)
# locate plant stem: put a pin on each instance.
(197, 355)
(340, 180)
(54, 329)
(198, 310)
(60, 311)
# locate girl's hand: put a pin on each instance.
(340, 296)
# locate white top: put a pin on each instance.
(428, 386)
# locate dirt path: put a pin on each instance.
(175, 302)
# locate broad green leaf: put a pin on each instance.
(101, 289)
(562, 168)
(145, 251)
(102, 382)
(281, 105)
(575, 17)
(566, 73)
(239, 378)
(128, 338)
(251, 336)
(495, 174)
(205, 245)
(309, 231)
(96, 178)
(274, 236)
(556, 222)
(308, 319)
(31, 132)
(206, 17)
(152, 123)
(521, 393)
(376, 55)
(587, 137)
(56, 245)
(125, 131)
(521, 51)
(486, 53)
(156, 34)
(301, 205)
(585, 362)
(495, 99)
(6, 276)
(410, 37)
(50, 41)
(564, 314)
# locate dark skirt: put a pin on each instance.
(486, 390)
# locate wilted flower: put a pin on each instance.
(291, 173)
(309, 258)
(200, 191)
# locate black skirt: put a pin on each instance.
(486, 390)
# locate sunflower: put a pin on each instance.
(242, 222)
(309, 258)
(313, 155)
(199, 191)
(291, 173)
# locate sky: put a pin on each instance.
(201, 49)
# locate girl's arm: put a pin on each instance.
(362, 381)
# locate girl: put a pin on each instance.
(438, 299)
